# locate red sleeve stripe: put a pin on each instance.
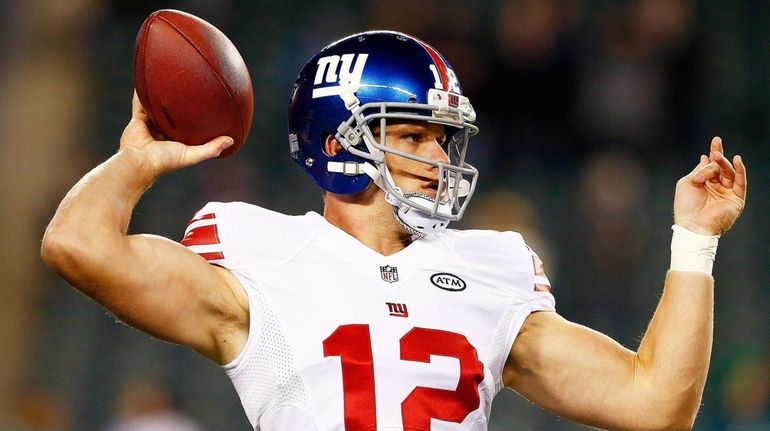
(207, 216)
(202, 235)
(213, 256)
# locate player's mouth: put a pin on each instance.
(430, 188)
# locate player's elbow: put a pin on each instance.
(64, 252)
(675, 421)
(653, 416)
(55, 250)
(683, 417)
(669, 398)
(686, 422)
(678, 423)
(675, 410)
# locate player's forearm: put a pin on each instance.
(673, 358)
(92, 219)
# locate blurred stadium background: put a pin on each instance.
(589, 112)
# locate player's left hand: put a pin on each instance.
(710, 199)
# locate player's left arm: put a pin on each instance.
(583, 375)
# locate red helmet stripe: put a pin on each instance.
(439, 62)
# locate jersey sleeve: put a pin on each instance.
(236, 235)
(533, 290)
(528, 290)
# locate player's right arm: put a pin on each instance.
(149, 282)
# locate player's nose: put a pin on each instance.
(436, 153)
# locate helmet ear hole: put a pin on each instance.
(332, 146)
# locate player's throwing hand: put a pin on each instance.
(164, 156)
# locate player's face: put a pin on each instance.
(420, 139)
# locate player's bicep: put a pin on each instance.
(166, 290)
(573, 371)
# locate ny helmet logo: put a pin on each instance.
(342, 70)
(448, 80)
(389, 273)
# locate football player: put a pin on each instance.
(374, 315)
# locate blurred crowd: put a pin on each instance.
(589, 112)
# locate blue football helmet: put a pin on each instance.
(361, 82)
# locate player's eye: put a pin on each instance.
(413, 137)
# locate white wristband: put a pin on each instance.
(691, 251)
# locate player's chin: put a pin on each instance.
(430, 189)
(428, 192)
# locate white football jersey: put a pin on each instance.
(344, 338)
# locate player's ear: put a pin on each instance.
(332, 146)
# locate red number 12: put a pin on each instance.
(352, 343)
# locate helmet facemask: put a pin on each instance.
(418, 212)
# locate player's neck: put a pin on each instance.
(368, 218)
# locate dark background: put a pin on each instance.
(589, 112)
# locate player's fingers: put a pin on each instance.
(716, 145)
(705, 173)
(209, 150)
(726, 170)
(137, 110)
(723, 164)
(704, 160)
(740, 178)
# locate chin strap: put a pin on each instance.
(352, 169)
(416, 221)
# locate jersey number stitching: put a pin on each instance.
(352, 343)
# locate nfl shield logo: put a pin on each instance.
(389, 273)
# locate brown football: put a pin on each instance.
(191, 80)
